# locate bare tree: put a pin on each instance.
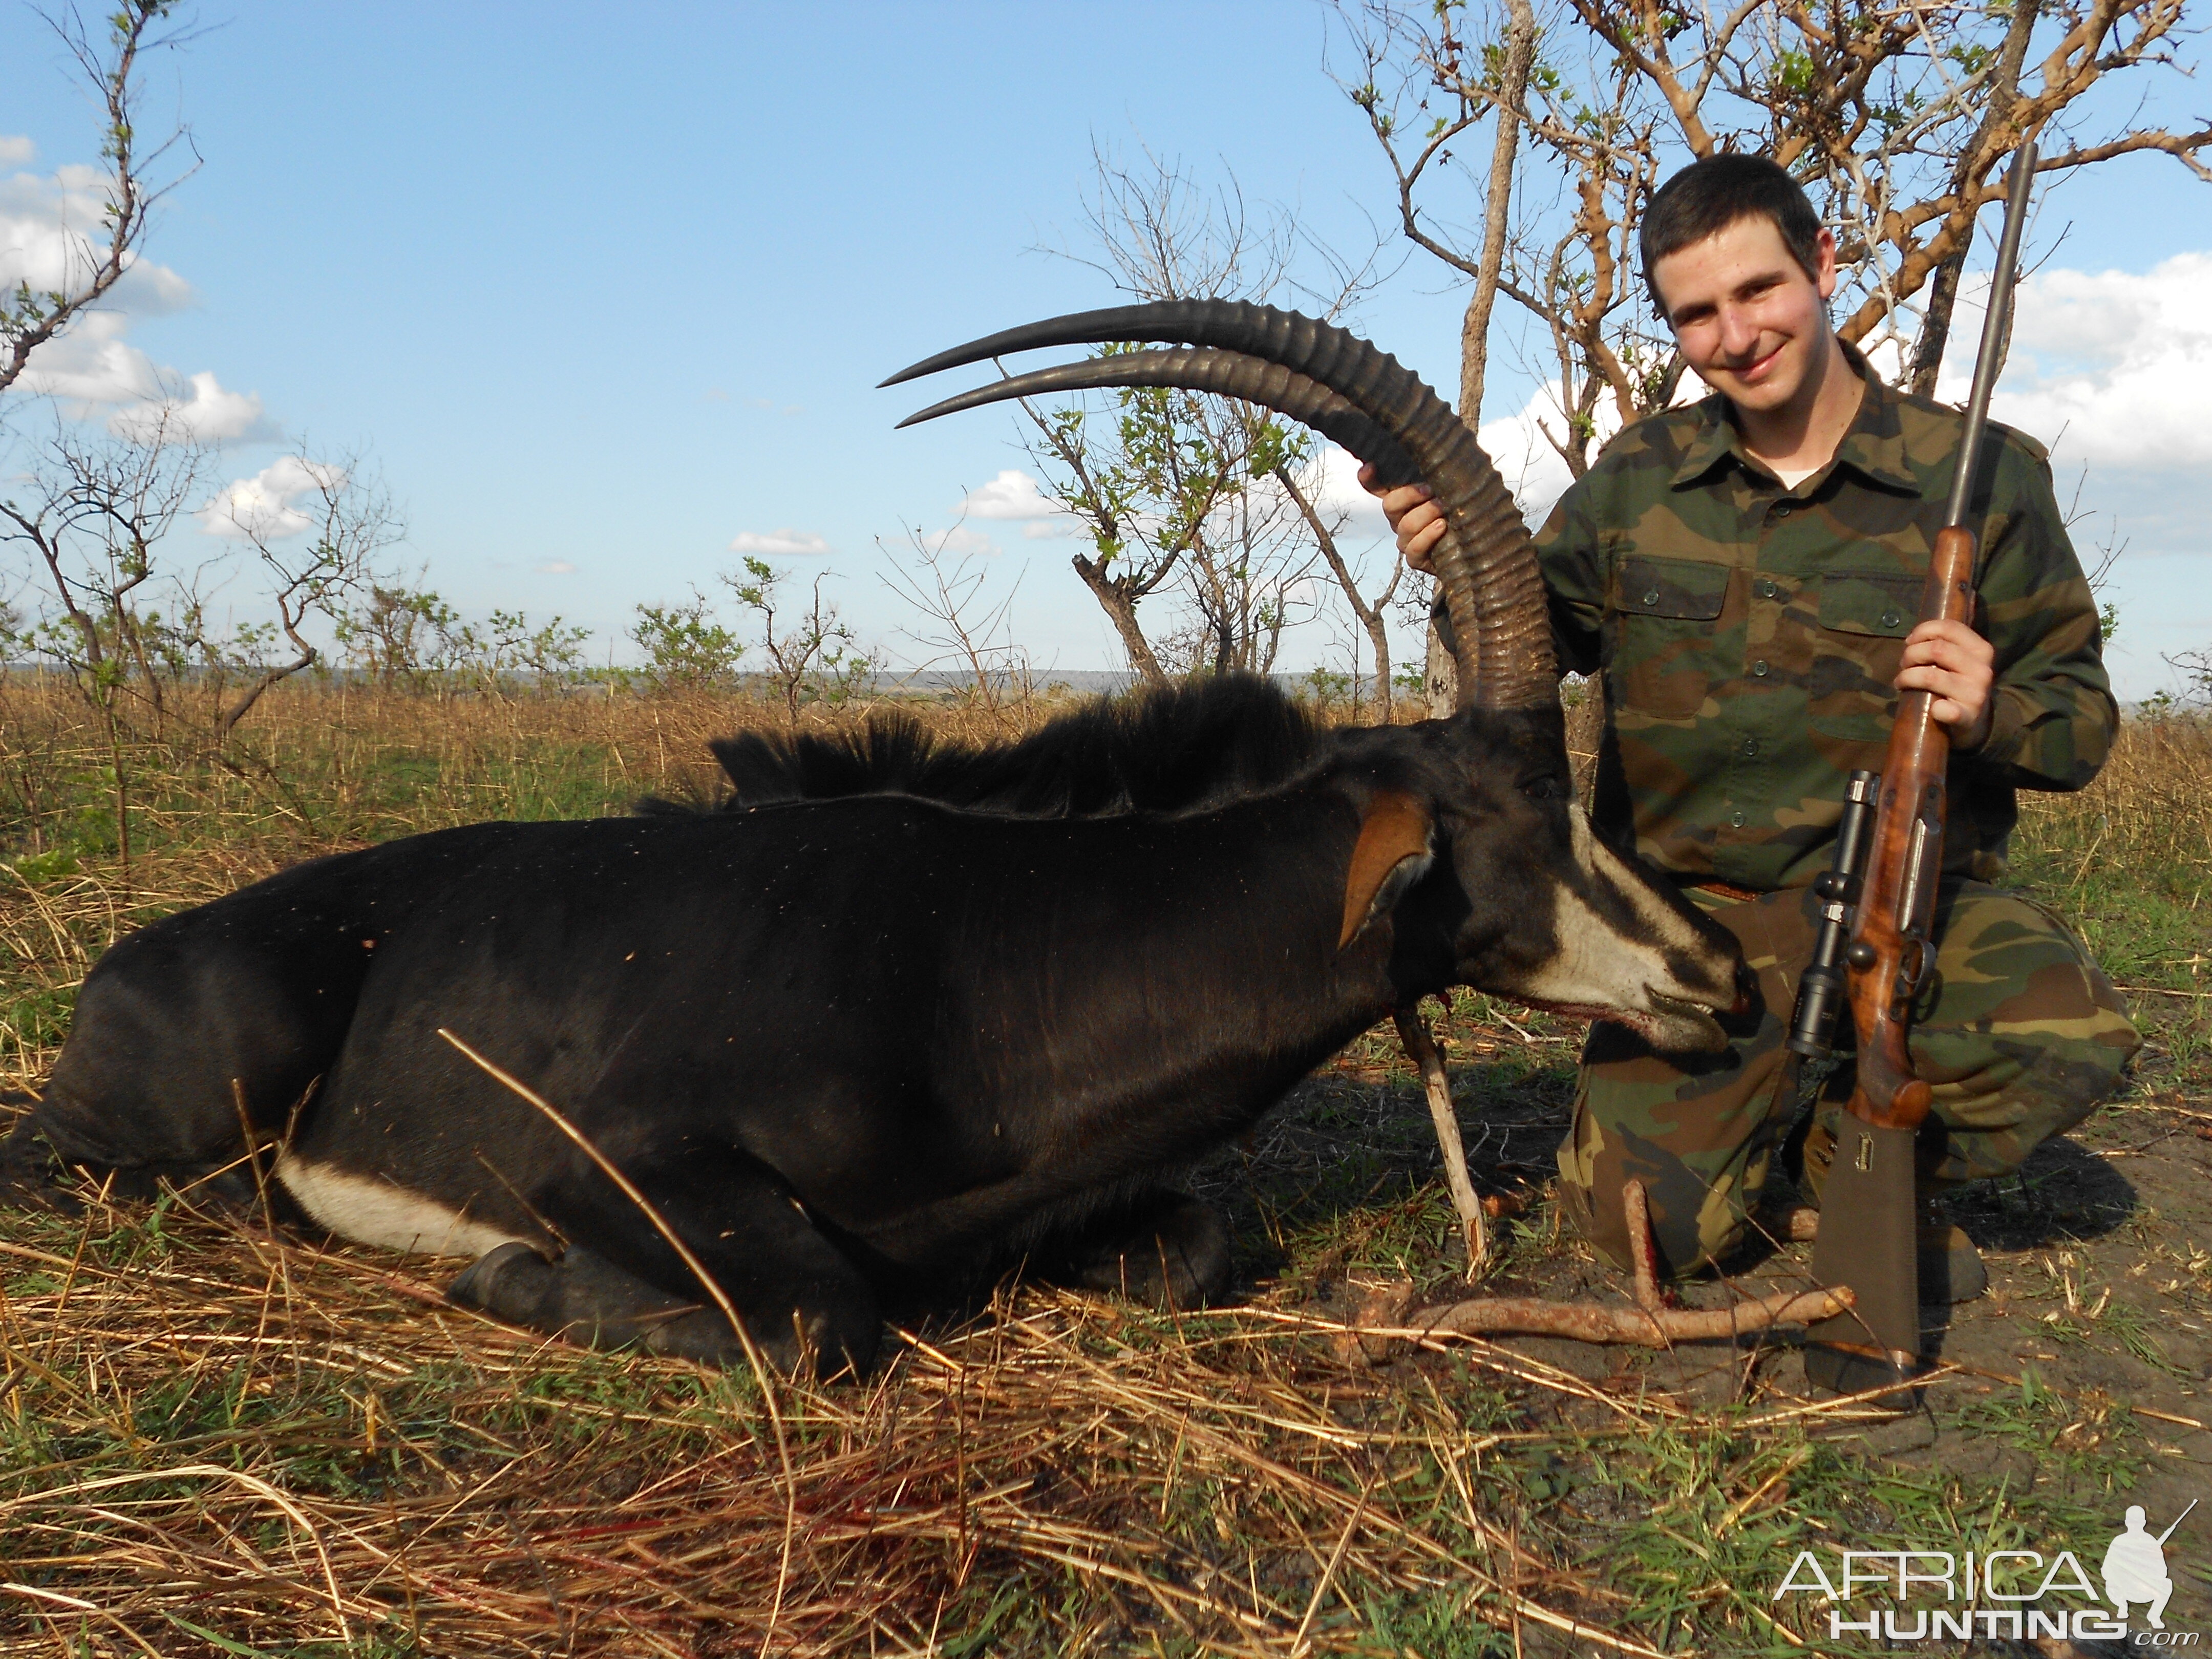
(29, 318)
(946, 593)
(1164, 482)
(91, 513)
(310, 570)
(130, 621)
(1373, 614)
(1497, 94)
(1245, 576)
(2000, 105)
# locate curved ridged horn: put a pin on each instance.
(1487, 562)
(1200, 368)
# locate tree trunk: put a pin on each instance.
(1442, 677)
(1935, 326)
(2004, 92)
(1378, 636)
(1121, 608)
(1474, 329)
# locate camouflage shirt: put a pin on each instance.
(1748, 633)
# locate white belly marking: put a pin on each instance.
(369, 1210)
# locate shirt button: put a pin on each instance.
(1764, 588)
(1751, 748)
(1781, 509)
(1758, 668)
(1651, 598)
(1736, 820)
(1890, 619)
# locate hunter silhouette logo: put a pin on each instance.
(2135, 1567)
(2018, 1594)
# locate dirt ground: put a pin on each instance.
(2082, 1380)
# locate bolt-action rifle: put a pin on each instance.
(1880, 896)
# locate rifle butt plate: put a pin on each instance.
(1867, 1242)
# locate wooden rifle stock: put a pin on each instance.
(1868, 1216)
(1893, 946)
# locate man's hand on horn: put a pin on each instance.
(1958, 665)
(1416, 518)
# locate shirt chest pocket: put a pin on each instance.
(1865, 617)
(1664, 656)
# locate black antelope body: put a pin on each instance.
(869, 1046)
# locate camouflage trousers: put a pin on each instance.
(2018, 1032)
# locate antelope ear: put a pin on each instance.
(1392, 854)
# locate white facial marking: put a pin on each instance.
(1599, 965)
(373, 1211)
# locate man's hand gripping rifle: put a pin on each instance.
(1880, 896)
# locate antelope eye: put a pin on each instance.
(1546, 787)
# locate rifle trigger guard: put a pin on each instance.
(1914, 968)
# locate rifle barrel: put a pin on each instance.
(2178, 1520)
(1994, 322)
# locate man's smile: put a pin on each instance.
(1758, 368)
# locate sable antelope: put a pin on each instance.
(867, 1048)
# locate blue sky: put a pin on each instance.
(600, 297)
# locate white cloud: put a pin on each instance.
(1533, 469)
(1517, 446)
(1045, 530)
(16, 152)
(958, 539)
(50, 238)
(556, 568)
(205, 410)
(1340, 492)
(266, 507)
(2118, 362)
(785, 543)
(93, 366)
(1011, 494)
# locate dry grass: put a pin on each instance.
(293, 1446)
(222, 1436)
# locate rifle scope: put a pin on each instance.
(1820, 994)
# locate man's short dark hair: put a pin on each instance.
(1705, 197)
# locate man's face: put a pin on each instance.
(1746, 315)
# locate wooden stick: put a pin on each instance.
(1649, 1324)
(1414, 1032)
(1643, 1249)
(1588, 1321)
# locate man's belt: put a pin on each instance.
(1727, 890)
